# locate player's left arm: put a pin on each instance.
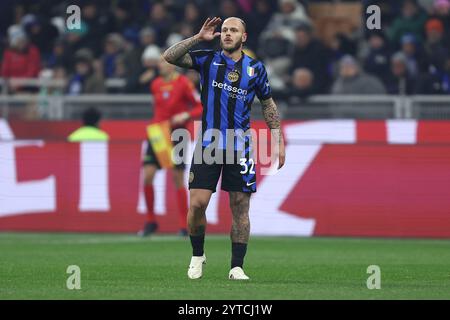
(272, 118)
(270, 111)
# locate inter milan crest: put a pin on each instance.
(233, 76)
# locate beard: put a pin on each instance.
(236, 47)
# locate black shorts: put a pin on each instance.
(151, 159)
(238, 176)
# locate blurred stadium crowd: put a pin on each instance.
(124, 39)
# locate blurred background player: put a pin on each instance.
(90, 130)
(175, 99)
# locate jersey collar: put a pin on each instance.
(229, 60)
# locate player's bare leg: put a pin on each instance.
(196, 221)
(151, 225)
(240, 233)
(178, 179)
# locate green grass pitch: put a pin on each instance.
(33, 266)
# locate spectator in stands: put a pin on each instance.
(96, 24)
(400, 81)
(275, 46)
(377, 60)
(352, 80)
(90, 130)
(60, 24)
(87, 78)
(291, 14)
(257, 21)
(310, 53)
(40, 33)
(52, 108)
(436, 78)
(21, 59)
(133, 55)
(147, 36)
(59, 56)
(415, 55)
(132, 59)
(411, 21)
(442, 12)
(123, 17)
(114, 46)
(161, 21)
(193, 16)
(436, 49)
(120, 68)
(434, 82)
(276, 52)
(341, 44)
(59, 76)
(181, 32)
(427, 5)
(150, 59)
(229, 8)
(74, 40)
(300, 88)
(286, 41)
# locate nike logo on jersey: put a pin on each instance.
(249, 184)
(218, 64)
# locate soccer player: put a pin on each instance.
(175, 99)
(229, 80)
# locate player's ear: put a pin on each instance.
(244, 37)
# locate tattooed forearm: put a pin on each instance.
(177, 54)
(272, 116)
(240, 228)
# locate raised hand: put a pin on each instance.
(207, 31)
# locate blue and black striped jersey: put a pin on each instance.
(228, 88)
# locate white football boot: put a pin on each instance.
(195, 270)
(237, 274)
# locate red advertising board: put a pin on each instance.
(341, 178)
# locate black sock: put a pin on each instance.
(238, 251)
(197, 243)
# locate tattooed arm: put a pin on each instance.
(272, 118)
(178, 53)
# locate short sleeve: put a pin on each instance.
(199, 57)
(262, 89)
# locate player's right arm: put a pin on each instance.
(178, 53)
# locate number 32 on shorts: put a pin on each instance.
(247, 168)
